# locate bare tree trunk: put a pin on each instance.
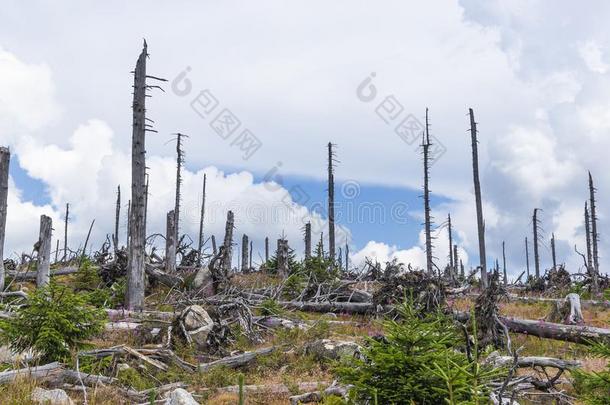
(527, 258)
(479, 204)
(66, 233)
(170, 243)
(56, 250)
(228, 243)
(588, 239)
(266, 249)
(536, 255)
(200, 244)
(44, 251)
(5, 157)
(504, 263)
(250, 261)
(179, 161)
(117, 215)
(308, 240)
(134, 299)
(244, 253)
(146, 204)
(331, 205)
(455, 260)
(452, 265)
(214, 250)
(594, 234)
(87, 239)
(128, 225)
(553, 252)
(282, 257)
(346, 257)
(428, 221)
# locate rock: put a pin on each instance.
(180, 396)
(197, 324)
(203, 280)
(332, 350)
(50, 397)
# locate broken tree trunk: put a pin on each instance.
(588, 240)
(5, 157)
(536, 255)
(479, 204)
(214, 250)
(427, 220)
(452, 265)
(527, 259)
(200, 244)
(44, 251)
(567, 311)
(504, 263)
(137, 223)
(282, 257)
(455, 259)
(548, 330)
(346, 257)
(266, 249)
(553, 252)
(331, 205)
(594, 234)
(237, 360)
(179, 161)
(170, 243)
(251, 250)
(228, 243)
(308, 240)
(244, 254)
(117, 215)
(66, 233)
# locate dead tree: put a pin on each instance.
(228, 243)
(134, 299)
(214, 245)
(170, 243)
(588, 239)
(282, 257)
(307, 240)
(427, 219)
(200, 244)
(594, 234)
(244, 253)
(266, 249)
(479, 204)
(250, 261)
(553, 252)
(66, 233)
(179, 162)
(331, 204)
(5, 157)
(128, 225)
(117, 216)
(527, 259)
(146, 202)
(452, 264)
(44, 251)
(346, 257)
(455, 259)
(535, 225)
(504, 263)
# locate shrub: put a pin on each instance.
(416, 362)
(54, 322)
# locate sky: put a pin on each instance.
(297, 75)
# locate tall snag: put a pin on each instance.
(228, 243)
(200, 241)
(452, 264)
(504, 263)
(179, 162)
(308, 240)
(244, 253)
(214, 250)
(266, 249)
(527, 259)
(65, 258)
(5, 157)
(479, 204)
(170, 243)
(117, 217)
(535, 224)
(44, 251)
(594, 234)
(282, 257)
(553, 252)
(331, 204)
(427, 223)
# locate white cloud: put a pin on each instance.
(593, 57)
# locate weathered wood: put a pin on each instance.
(272, 389)
(66, 232)
(47, 371)
(527, 259)
(170, 243)
(504, 263)
(214, 250)
(548, 330)
(479, 204)
(137, 223)
(5, 157)
(318, 396)
(530, 361)
(281, 256)
(179, 162)
(201, 218)
(44, 251)
(331, 204)
(170, 280)
(588, 241)
(117, 217)
(237, 360)
(244, 254)
(308, 240)
(427, 217)
(228, 243)
(266, 249)
(33, 275)
(594, 234)
(536, 254)
(452, 265)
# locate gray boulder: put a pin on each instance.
(180, 396)
(50, 397)
(197, 324)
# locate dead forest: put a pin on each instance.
(137, 324)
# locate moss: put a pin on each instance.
(130, 377)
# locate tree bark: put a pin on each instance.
(5, 157)
(449, 230)
(427, 219)
(553, 251)
(536, 255)
(214, 250)
(266, 249)
(170, 243)
(117, 216)
(244, 254)
(331, 205)
(66, 233)
(44, 251)
(282, 257)
(588, 240)
(479, 204)
(308, 240)
(527, 258)
(236, 361)
(179, 161)
(594, 234)
(134, 299)
(504, 263)
(228, 243)
(200, 244)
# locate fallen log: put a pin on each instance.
(533, 300)
(237, 360)
(318, 396)
(51, 370)
(31, 275)
(273, 389)
(557, 331)
(526, 362)
(170, 280)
